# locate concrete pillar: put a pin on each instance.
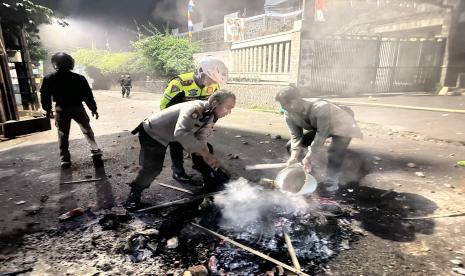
(295, 57)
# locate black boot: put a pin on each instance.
(133, 202)
(182, 177)
(97, 158)
(66, 164)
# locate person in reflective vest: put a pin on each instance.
(199, 85)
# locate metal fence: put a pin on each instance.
(357, 65)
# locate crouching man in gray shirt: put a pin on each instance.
(189, 124)
(321, 120)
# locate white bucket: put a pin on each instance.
(295, 180)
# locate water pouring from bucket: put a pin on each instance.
(292, 179)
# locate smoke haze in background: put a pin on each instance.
(110, 24)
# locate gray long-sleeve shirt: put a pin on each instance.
(325, 118)
(185, 123)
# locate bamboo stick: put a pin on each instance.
(437, 216)
(176, 202)
(291, 250)
(175, 188)
(81, 181)
(251, 250)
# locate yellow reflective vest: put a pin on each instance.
(183, 88)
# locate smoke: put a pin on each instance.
(210, 12)
(242, 203)
(86, 33)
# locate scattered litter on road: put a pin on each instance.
(459, 270)
(411, 165)
(345, 244)
(213, 265)
(198, 270)
(71, 214)
(44, 198)
(20, 202)
(461, 163)
(245, 142)
(420, 174)
(172, 243)
(278, 137)
(32, 210)
(449, 186)
(233, 156)
(377, 158)
(238, 136)
(456, 262)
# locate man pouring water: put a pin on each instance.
(310, 123)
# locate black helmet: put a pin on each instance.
(62, 61)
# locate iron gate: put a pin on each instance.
(359, 65)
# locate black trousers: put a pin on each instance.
(63, 117)
(125, 90)
(177, 157)
(152, 157)
(336, 151)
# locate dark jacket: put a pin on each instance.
(66, 89)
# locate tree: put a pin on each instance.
(18, 14)
(167, 54)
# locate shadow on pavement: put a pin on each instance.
(105, 198)
(383, 212)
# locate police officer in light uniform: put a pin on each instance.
(188, 124)
(310, 123)
(198, 85)
(68, 90)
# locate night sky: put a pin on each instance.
(159, 12)
(94, 22)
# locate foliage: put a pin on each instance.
(110, 63)
(17, 14)
(161, 54)
(167, 54)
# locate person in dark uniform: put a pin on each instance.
(189, 124)
(68, 90)
(126, 85)
(198, 85)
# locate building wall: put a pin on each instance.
(222, 55)
(255, 95)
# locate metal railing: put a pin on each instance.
(266, 58)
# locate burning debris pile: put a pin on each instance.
(256, 218)
(179, 241)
